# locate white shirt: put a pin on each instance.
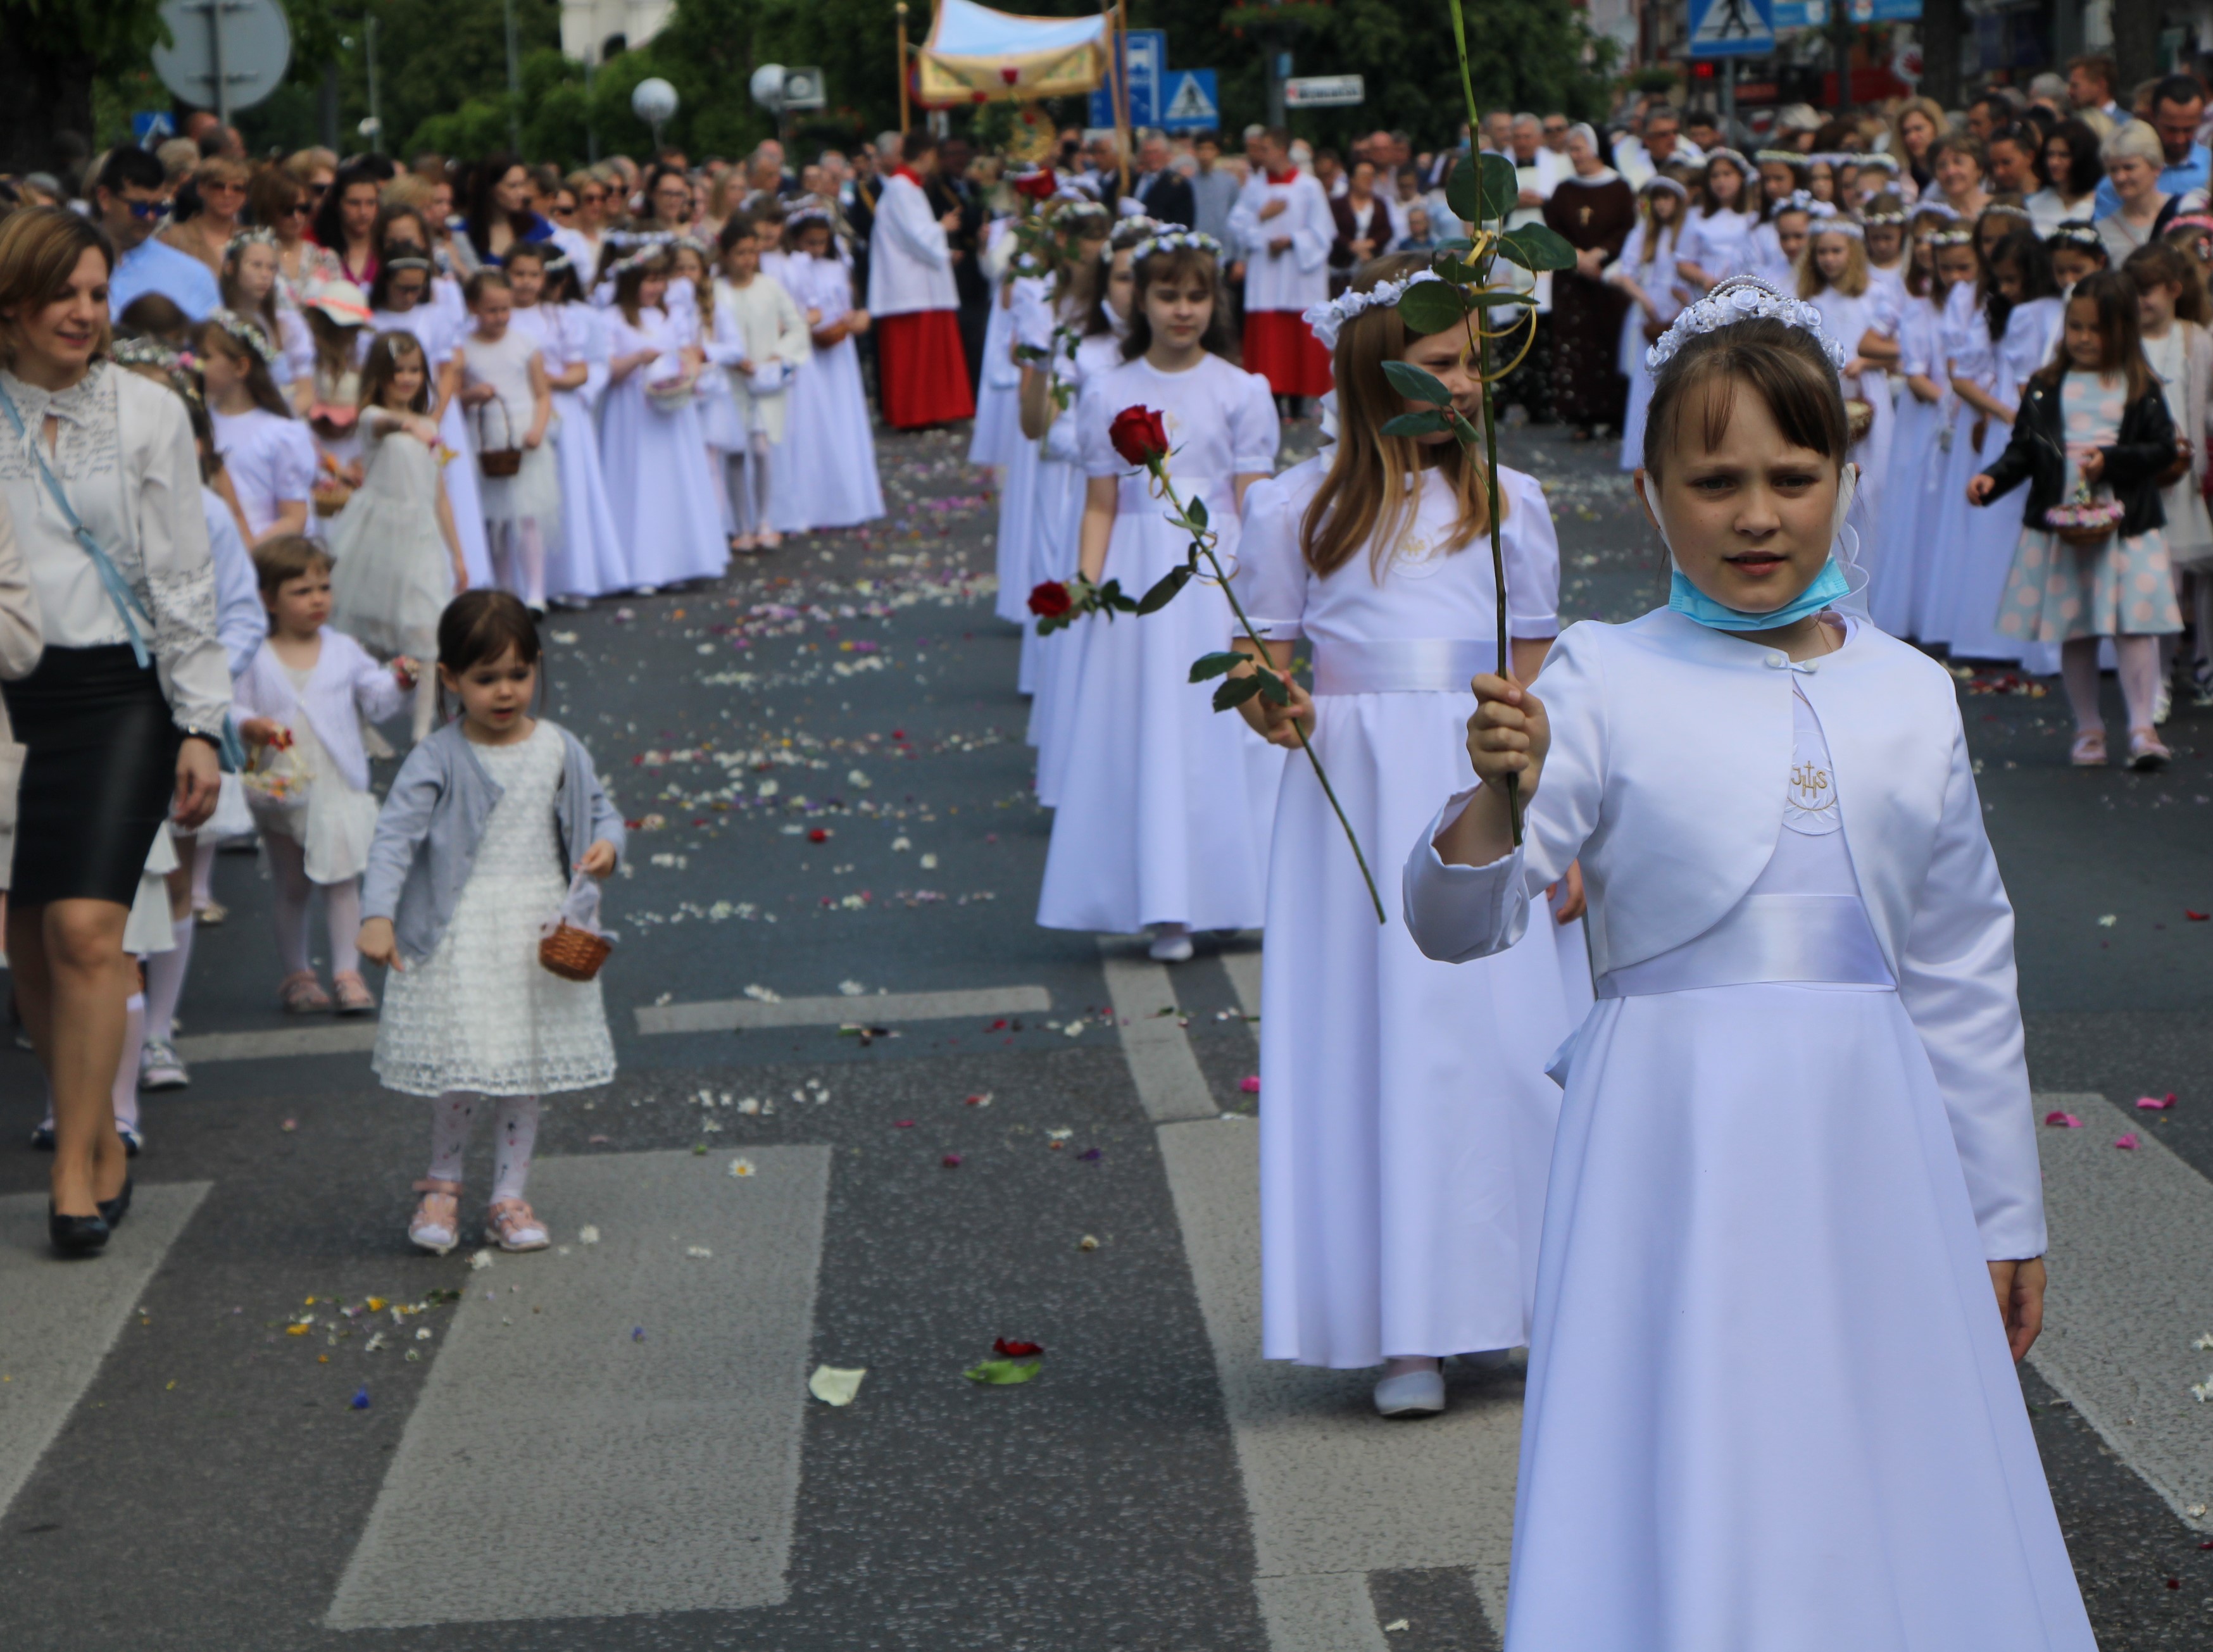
(910, 262)
(1297, 277)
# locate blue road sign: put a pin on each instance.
(1731, 28)
(1189, 102)
(151, 127)
(1149, 63)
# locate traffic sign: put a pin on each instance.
(1732, 29)
(1191, 104)
(151, 127)
(803, 89)
(224, 55)
(1324, 91)
(1148, 50)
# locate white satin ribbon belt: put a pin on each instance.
(1824, 938)
(1414, 665)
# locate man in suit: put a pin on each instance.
(1166, 192)
(953, 191)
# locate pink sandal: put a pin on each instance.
(301, 994)
(2147, 752)
(2088, 751)
(353, 994)
(436, 1225)
(512, 1225)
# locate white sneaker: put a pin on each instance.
(1417, 1393)
(1171, 945)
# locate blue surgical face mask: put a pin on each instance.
(1829, 585)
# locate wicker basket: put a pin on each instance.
(1859, 417)
(2083, 537)
(497, 462)
(330, 496)
(573, 953)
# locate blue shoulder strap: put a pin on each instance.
(111, 577)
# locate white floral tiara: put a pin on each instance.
(245, 238)
(1959, 238)
(1786, 157)
(808, 214)
(1328, 320)
(1177, 241)
(1743, 298)
(247, 334)
(1128, 232)
(1734, 157)
(1840, 226)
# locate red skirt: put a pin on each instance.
(1282, 348)
(923, 369)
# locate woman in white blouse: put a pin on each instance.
(123, 717)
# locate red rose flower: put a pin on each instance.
(1039, 185)
(1139, 434)
(1050, 599)
(1006, 1348)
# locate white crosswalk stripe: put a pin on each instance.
(633, 1446)
(58, 1321)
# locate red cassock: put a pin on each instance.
(924, 371)
(1282, 348)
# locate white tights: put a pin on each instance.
(2138, 659)
(515, 1138)
(341, 909)
(518, 559)
(426, 699)
(744, 473)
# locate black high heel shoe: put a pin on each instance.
(75, 1235)
(113, 1210)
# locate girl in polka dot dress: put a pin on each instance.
(2091, 440)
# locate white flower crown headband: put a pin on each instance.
(246, 332)
(1743, 298)
(1840, 226)
(245, 238)
(1177, 241)
(1957, 238)
(1132, 231)
(808, 214)
(1328, 321)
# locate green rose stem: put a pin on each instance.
(1200, 547)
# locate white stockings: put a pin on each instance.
(515, 1138)
(341, 909)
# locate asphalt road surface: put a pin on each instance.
(870, 1118)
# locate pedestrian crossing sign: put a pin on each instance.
(1190, 104)
(1732, 29)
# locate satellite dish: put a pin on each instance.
(653, 100)
(229, 55)
(767, 86)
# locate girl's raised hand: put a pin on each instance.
(405, 671)
(259, 731)
(599, 860)
(1978, 488)
(376, 942)
(1508, 734)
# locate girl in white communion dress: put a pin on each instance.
(1771, 1400)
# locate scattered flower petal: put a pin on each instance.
(1006, 1350)
(2155, 1103)
(741, 1167)
(2062, 1120)
(2127, 1143)
(588, 1235)
(360, 1401)
(1250, 1084)
(835, 1385)
(951, 1161)
(1002, 1373)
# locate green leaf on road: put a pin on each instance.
(1214, 665)
(1002, 1372)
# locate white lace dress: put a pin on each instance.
(480, 1013)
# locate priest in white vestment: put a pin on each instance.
(1284, 229)
(912, 299)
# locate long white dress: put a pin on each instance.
(1056, 516)
(393, 574)
(998, 431)
(1166, 804)
(1032, 313)
(533, 494)
(1402, 1175)
(1987, 544)
(588, 560)
(1770, 1403)
(481, 1014)
(271, 461)
(434, 327)
(1917, 462)
(1968, 351)
(823, 473)
(1714, 241)
(1653, 270)
(663, 497)
(1848, 320)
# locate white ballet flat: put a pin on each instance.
(1416, 1393)
(1173, 946)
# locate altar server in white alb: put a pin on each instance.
(1793, 1240)
(1408, 1130)
(1165, 804)
(1283, 231)
(924, 370)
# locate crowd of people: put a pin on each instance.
(1881, 382)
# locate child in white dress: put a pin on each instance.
(1793, 1239)
(1646, 271)
(1919, 438)
(1166, 806)
(398, 553)
(586, 560)
(510, 403)
(2178, 348)
(1402, 1184)
(401, 300)
(1835, 280)
(759, 341)
(1714, 233)
(485, 827)
(266, 452)
(2094, 430)
(299, 708)
(253, 287)
(651, 444)
(823, 473)
(1969, 355)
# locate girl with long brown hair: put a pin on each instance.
(266, 450)
(1401, 1187)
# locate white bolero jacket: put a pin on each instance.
(1670, 743)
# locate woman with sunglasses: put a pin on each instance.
(277, 202)
(219, 187)
(580, 235)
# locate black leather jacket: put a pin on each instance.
(2038, 455)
